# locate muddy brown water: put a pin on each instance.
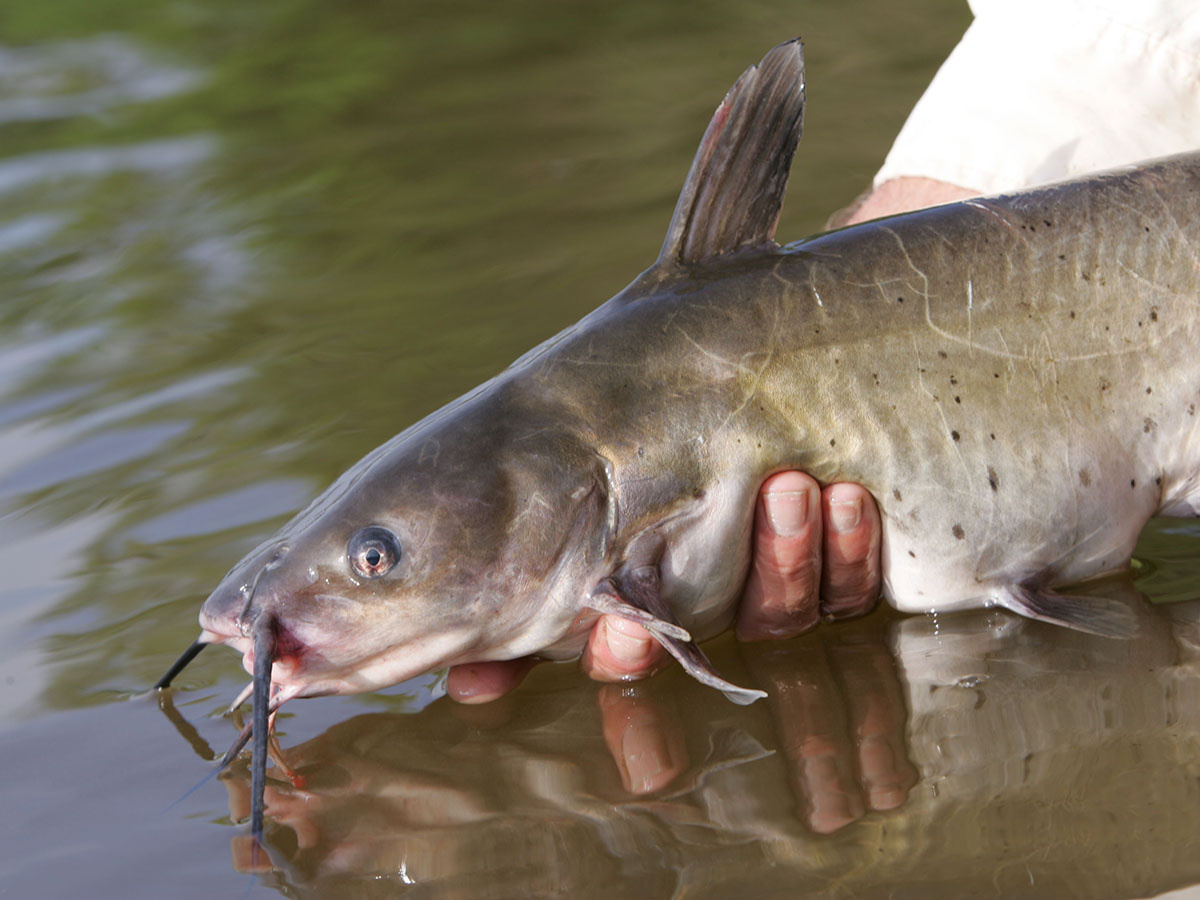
(242, 244)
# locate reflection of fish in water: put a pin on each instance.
(1010, 801)
(1015, 380)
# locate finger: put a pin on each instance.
(621, 650)
(782, 593)
(645, 739)
(878, 716)
(486, 681)
(850, 570)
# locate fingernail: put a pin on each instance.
(626, 648)
(787, 511)
(845, 514)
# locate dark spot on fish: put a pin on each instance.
(993, 479)
(832, 442)
(1133, 482)
(958, 531)
(1153, 314)
(1072, 314)
(1046, 222)
(1158, 479)
(1148, 391)
(1191, 409)
(1139, 323)
(698, 494)
(896, 494)
(899, 299)
(1085, 276)
(995, 374)
(836, 360)
(1085, 478)
(958, 399)
(954, 434)
(1147, 424)
(942, 354)
(913, 555)
(1062, 256)
(1147, 229)
(953, 380)
(1104, 385)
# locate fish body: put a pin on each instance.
(1015, 379)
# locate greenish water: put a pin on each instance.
(241, 245)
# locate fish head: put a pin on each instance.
(471, 541)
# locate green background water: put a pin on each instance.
(242, 244)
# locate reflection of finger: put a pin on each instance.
(248, 856)
(781, 594)
(824, 773)
(621, 650)
(485, 681)
(876, 708)
(645, 740)
(850, 577)
(238, 790)
(301, 811)
(811, 722)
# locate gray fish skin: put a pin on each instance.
(1015, 379)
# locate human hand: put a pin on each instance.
(815, 553)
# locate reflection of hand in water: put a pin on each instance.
(838, 709)
(840, 715)
(645, 738)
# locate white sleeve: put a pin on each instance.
(1039, 90)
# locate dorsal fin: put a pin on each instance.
(734, 190)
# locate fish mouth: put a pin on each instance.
(298, 664)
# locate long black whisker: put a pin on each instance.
(264, 657)
(240, 742)
(178, 666)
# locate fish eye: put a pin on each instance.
(373, 551)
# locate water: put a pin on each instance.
(240, 245)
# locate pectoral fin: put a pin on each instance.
(1095, 615)
(635, 595)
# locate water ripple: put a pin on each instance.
(67, 79)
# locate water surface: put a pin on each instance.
(241, 245)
